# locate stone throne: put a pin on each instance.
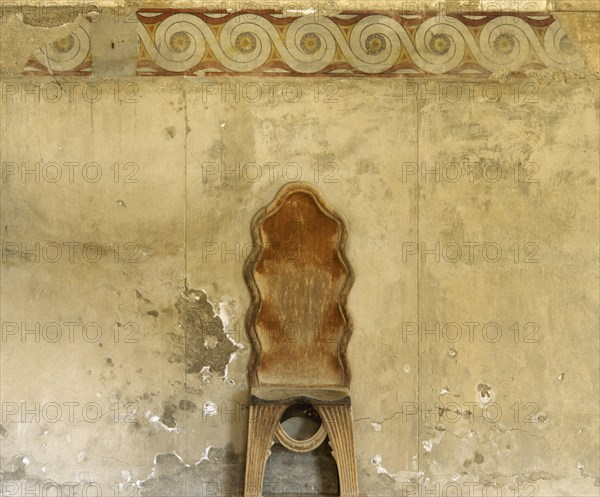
(299, 279)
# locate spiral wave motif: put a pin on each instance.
(374, 44)
(558, 46)
(67, 53)
(243, 46)
(179, 42)
(309, 45)
(440, 46)
(505, 43)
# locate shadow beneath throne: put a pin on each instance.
(301, 474)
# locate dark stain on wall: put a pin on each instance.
(168, 416)
(14, 470)
(187, 405)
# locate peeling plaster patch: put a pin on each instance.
(170, 474)
(227, 313)
(225, 376)
(167, 464)
(405, 475)
(485, 395)
(205, 372)
(406, 368)
(161, 458)
(210, 409)
(202, 342)
(376, 426)
(82, 456)
(151, 476)
(158, 422)
(114, 396)
(439, 434)
(205, 455)
(541, 420)
(55, 17)
(376, 461)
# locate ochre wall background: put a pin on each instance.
(126, 200)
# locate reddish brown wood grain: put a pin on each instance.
(299, 279)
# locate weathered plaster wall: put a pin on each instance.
(125, 209)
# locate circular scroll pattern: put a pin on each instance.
(179, 42)
(374, 44)
(242, 46)
(441, 45)
(558, 45)
(67, 53)
(505, 42)
(310, 44)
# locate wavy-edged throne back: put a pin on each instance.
(299, 279)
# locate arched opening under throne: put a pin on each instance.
(311, 471)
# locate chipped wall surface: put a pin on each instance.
(470, 188)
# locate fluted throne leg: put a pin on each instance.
(337, 420)
(263, 419)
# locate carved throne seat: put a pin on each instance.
(299, 279)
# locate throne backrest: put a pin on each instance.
(299, 279)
